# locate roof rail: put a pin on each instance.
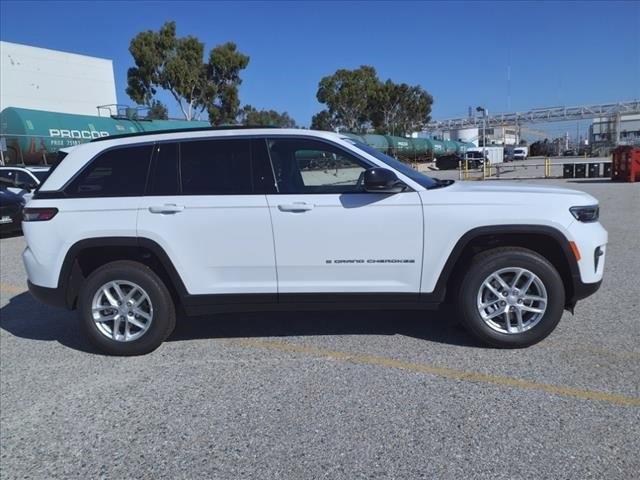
(178, 130)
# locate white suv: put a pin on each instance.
(127, 229)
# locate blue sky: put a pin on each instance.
(560, 53)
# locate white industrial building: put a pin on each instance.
(622, 129)
(43, 79)
(495, 135)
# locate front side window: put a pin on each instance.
(24, 179)
(216, 167)
(311, 166)
(118, 172)
(418, 177)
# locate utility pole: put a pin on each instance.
(484, 136)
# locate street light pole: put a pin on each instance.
(484, 133)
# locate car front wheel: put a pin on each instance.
(511, 297)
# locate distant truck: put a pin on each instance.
(520, 153)
(492, 154)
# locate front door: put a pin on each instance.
(333, 237)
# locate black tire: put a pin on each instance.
(164, 316)
(483, 265)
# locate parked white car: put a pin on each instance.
(23, 180)
(127, 228)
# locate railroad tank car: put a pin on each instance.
(35, 136)
(411, 149)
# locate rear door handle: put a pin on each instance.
(296, 207)
(168, 208)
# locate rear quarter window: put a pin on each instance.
(118, 172)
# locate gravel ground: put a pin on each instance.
(333, 394)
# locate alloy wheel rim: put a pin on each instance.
(512, 300)
(122, 311)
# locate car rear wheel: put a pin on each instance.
(511, 297)
(126, 309)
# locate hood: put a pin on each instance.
(514, 193)
(9, 198)
(514, 187)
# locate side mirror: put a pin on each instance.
(382, 180)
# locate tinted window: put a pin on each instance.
(262, 172)
(216, 167)
(23, 178)
(7, 178)
(118, 172)
(41, 175)
(310, 166)
(164, 178)
(403, 168)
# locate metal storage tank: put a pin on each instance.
(463, 147)
(450, 147)
(376, 141)
(34, 136)
(423, 148)
(154, 125)
(400, 145)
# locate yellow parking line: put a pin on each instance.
(444, 372)
(6, 288)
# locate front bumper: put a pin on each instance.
(580, 291)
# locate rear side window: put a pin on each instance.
(164, 178)
(119, 172)
(216, 167)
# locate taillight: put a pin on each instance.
(38, 214)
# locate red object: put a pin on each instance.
(626, 164)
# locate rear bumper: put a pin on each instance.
(10, 222)
(54, 297)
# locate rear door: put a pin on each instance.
(100, 201)
(333, 237)
(206, 207)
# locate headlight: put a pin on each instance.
(586, 214)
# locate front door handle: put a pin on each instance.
(296, 207)
(168, 208)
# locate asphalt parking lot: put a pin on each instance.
(332, 394)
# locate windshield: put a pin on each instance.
(416, 176)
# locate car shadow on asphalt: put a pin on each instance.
(434, 326)
(24, 317)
